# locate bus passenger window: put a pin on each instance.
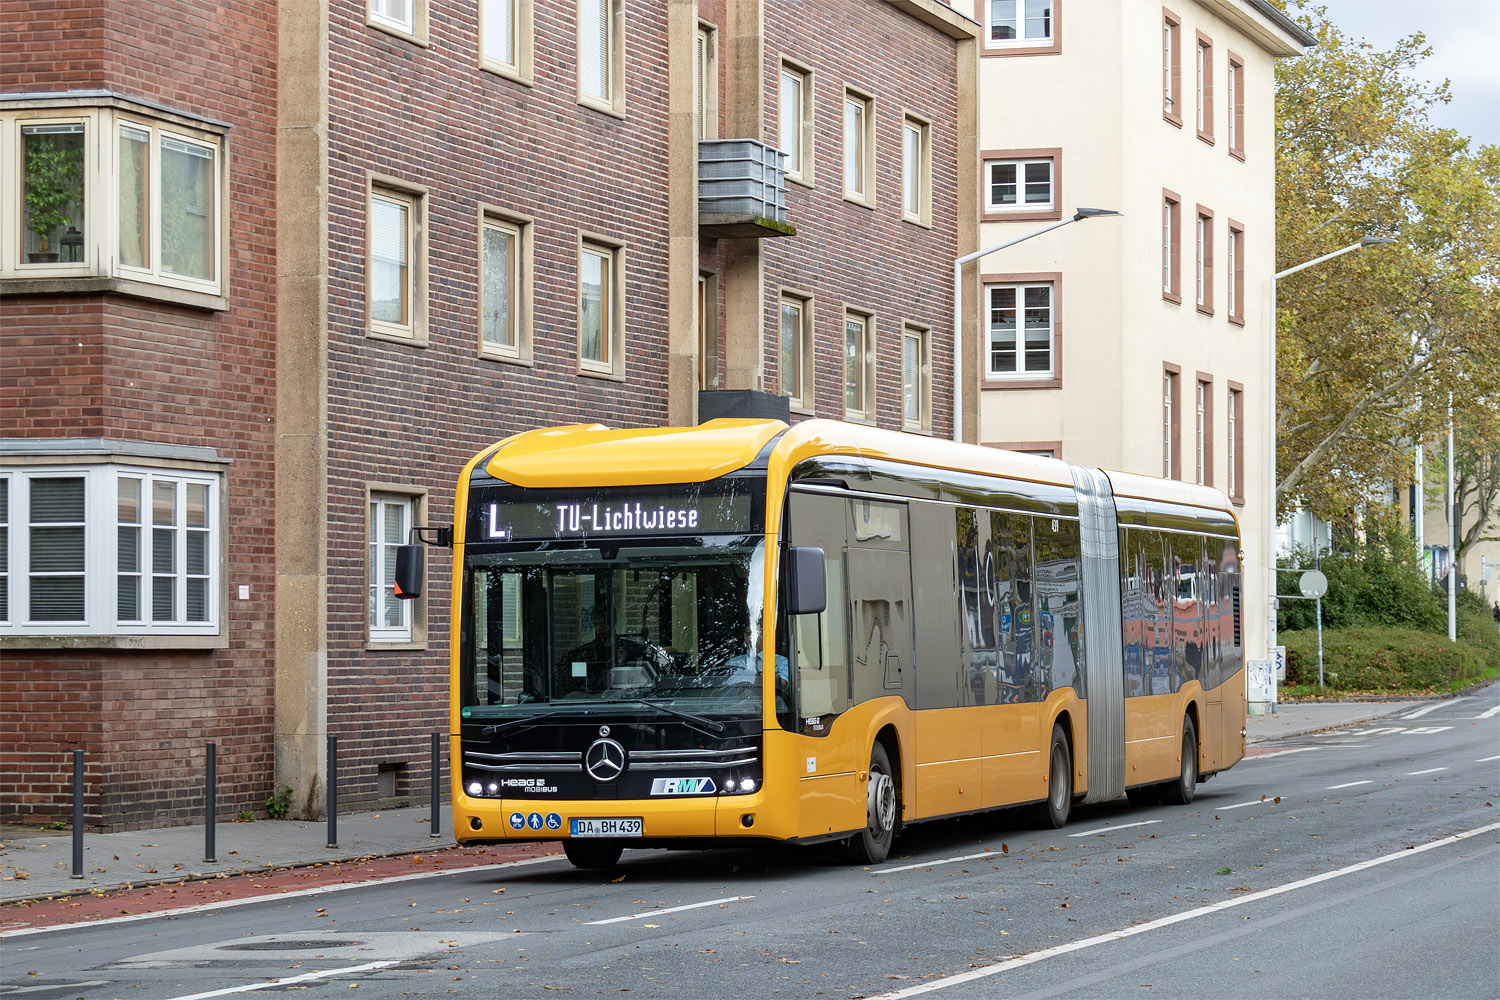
(821, 657)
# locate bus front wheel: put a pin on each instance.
(593, 853)
(871, 845)
(1053, 813)
(1180, 792)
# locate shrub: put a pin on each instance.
(1385, 660)
(280, 803)
(1376, 581)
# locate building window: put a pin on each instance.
(601, 56)
(1234, 106)
(1234, 284)
(1020, 23)
(706, 83)
(859, 147)
(391, 519)
(795, 347)
(1235, 440)
(795, 120)
(1018, 185)
(1203, 416)
(404, 18)
(1171, 461)
(1171, 67)
(111, 192)
(858, 365)
(1204, 239)
(1171, 246)
(1021, 330)
(109, 550)
(916, 171)
(506, 37)
(600, 309)
(505, 287)
(1205, 91)
(916, 378)
(396, 283)
(708, 330)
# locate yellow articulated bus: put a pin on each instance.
(744, 631)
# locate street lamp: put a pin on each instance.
(1368, 241)
(958, 267)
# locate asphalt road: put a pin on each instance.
(1363, 862)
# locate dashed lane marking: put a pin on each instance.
(1430, 770)
(1241, 805)
(1490, 713)
(1433, 708)
(670, 909)
(1278, 753)
(1486, 760)
(1111, 829)
(929, 864)
(1351, 784)
(321, 974)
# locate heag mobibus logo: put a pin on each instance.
(682, 786)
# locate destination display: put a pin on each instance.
(586, 515)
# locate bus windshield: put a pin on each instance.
(674, 624)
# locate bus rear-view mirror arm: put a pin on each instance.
(410, 560)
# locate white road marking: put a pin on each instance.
(942, 861)
(226, 903)
(1112, 829)
(1490, 713)
(1430, 770)
(1351, 784)
(1486, 760)
(1278, 753)
(1427, 730)
(56, 988)
(670, 909)
(1433, 708)
(1382, 731)
(1202, 911)
(1257, 802)
(324, 974)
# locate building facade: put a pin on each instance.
(422, 229)
(1137, 343)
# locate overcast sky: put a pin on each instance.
(1464, 36)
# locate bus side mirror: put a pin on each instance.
(409, 560)
(807, 584)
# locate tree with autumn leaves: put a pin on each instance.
(1371, 345)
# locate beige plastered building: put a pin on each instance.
(1137, 343)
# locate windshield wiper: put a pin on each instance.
(501, 727)
(697, 720)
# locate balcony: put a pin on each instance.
(741, 190)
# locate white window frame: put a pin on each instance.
(385, 15)
(380, 567)
(863, 365)
(801, 399)
(412, 329)
(1233, 484)
(519, 228)
(916, 380)
(1020, 372)
(1201, 431)
(706, 82)
(800, 161)
(612, 334)
(858, 148)
(99, 221)
(1022, 24)
(916, 170)
(1021, 205)
(101, 572)
(512, 20)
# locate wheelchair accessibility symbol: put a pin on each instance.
(554, 821)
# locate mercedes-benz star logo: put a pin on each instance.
(604, 760)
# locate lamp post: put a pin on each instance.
(958, 269)
(1368, 241)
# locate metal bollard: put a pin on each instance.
(437, 770)
(210, 806)
(333, 791)
(77, 814)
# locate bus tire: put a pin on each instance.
(1052, 813)
(871, 845)
(1180, 792)
(593, 853)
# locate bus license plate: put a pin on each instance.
(630, 827)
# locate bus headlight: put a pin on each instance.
(748, 785)
(494, 788)
(475, 788)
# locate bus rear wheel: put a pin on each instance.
(871, 845)
(1180, 792)
(1053, 813)
(593, 853)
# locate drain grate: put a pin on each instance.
(293, 944)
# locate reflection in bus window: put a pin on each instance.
(1059, 571)
(821, 659)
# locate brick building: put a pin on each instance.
(324, 258)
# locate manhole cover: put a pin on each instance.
(295, 944)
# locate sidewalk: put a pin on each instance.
(38, 864)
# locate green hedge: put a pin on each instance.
(1394, 660)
